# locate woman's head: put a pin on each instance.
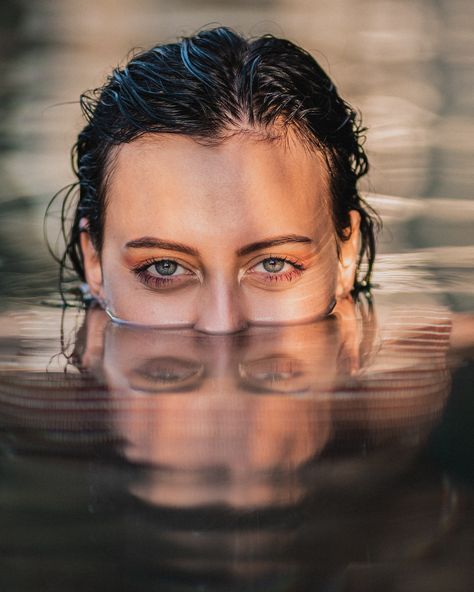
(217, 186)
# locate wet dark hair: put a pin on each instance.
(209, 87)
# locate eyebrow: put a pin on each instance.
(148, 242)
(273, 242)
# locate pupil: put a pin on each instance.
(166, 267)
(273, 265)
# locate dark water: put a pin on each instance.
(332, 456)
(335, 456)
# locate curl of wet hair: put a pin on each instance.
(209, 87)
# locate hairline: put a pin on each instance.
(287, 134)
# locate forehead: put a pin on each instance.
(167, 183)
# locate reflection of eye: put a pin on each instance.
(275, 374)
(276, 269)
(166, 373)
(162, 273)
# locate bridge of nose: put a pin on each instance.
(220, 308)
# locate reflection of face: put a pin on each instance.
(296, 360)
(216, 237)
(245, 406)
(225, 417)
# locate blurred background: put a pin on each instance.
(406, 64)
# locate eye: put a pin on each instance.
(163, 273)
(273, 265)
(165, 267)
(277, 265)
(276, 269)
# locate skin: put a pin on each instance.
(225, 203)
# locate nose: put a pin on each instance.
(220, 309)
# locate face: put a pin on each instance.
(219, 238)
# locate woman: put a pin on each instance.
(217, 188)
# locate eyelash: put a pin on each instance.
(272, 278)
(157, 282)
(154, 281)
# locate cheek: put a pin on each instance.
(130, 300)
(117, 280)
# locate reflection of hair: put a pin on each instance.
(209, 87)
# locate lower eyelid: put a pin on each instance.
(278, 277)
(154, 281)
(145, 277)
